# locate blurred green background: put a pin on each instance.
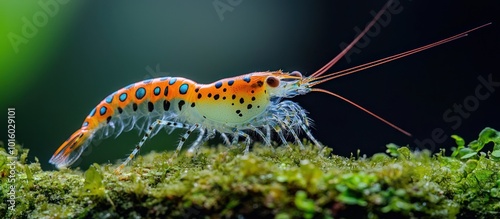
(58, 59)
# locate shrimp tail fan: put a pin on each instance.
(71, 149)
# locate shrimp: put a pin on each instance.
(232, 107)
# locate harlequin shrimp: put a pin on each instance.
(233, 107)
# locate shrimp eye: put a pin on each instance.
(296, 74)
(273, 81)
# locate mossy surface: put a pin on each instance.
(283, 183)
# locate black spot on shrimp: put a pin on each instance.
(151, 106)
(181, 103)
(166, 105)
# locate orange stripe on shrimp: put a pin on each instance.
(231, 107)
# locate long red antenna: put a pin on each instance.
(362, 108)
(328, 65)
(324, 78)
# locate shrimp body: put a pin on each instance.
(229, 106)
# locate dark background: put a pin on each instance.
(89, 49)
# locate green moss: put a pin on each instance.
(276, 183)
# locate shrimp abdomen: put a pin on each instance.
(134, 106)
